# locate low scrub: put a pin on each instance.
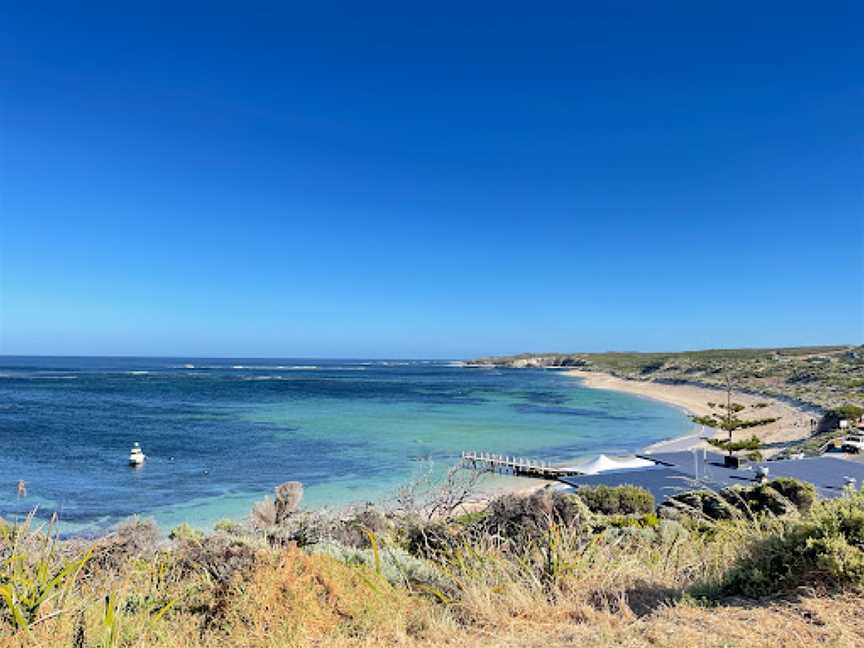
(825, 551)
(520, 520)
(617, 500)
(778, 497)
(550, 568)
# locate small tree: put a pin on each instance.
(727, 419)
(431, 495)
(849, 411)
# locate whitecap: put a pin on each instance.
(276, 367)
(260, 378)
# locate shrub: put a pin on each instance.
(430, 539)
(646, 521)
(469, 518)
(393, 563)
(354, 531)
(632, 534)
(219, 555)
(779, 497)
(521, 519)
(32, 576)
(349, 528)
(185, 532)
(671, 532)
(831, 419)
(758, 500)
(231, 527)
(824, 550)
(135, 537)
(276, 510)
(801, 494)
(849, 412)
(699, 504)
(617, 500)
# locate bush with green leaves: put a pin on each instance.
(393, 563)
(758, 500)
(778, 497)
(34, 575)
(824, 550)
(230, 527)
(184, 531)
(617, 500)
(523, 519)
(849, 412)
(646, 521)
(698, 504)
(802, 494)
(432, 538)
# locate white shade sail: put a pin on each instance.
(603, 463)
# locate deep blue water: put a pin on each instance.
(220, 433)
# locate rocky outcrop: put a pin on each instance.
(534, 362)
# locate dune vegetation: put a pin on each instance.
(765, 565)
(826, 377)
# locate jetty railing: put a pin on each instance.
(511, 465)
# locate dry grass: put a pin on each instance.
(810, 621)
(294, 598)
(562, 587)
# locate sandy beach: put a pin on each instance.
(794, 423)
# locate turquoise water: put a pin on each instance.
(219, 434)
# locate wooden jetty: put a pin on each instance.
(520, 466)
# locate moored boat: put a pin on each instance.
(136, 455)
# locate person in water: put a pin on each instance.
(22, 488)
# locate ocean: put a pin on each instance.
(219, 434)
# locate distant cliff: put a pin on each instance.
(533, 361)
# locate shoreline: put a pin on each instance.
(794, 423)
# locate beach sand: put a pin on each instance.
(794, 423)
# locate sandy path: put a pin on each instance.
(794, 423)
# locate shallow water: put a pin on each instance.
(220, 433)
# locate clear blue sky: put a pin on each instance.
(390, 181)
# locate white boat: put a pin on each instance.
(136, 455)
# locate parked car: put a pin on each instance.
(853, 442)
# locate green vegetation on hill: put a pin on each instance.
(827, 377)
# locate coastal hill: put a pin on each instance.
(826, 377)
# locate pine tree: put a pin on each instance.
(728, 420)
